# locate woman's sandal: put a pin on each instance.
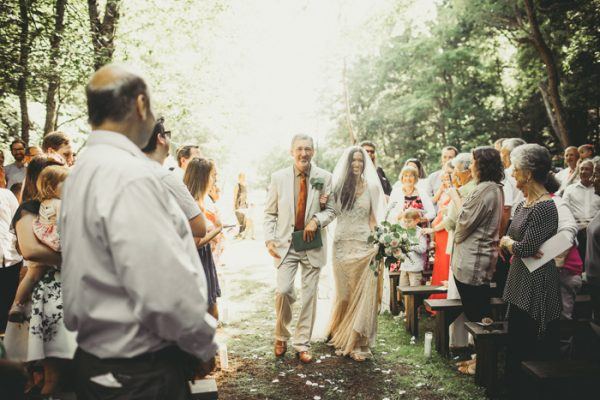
(357, 358)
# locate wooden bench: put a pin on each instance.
(447, 310)
(561, 379)
(414, 299)
(488, 341)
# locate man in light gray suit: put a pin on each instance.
(298, 200)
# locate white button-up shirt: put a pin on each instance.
(132, 278)
(583, 202)
(14, 174)
(517, 195)
(8, 241)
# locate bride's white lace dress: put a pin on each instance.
(353, 325)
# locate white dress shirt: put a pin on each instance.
(517, 195)
(8, 241)
(583, 202)
(14, 174)
(132, 278)
(179, 191)
(434, 181)
(566, 221)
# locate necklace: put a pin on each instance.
(530, 203)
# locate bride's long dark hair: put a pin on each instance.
(347, 195)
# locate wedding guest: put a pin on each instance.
(477, 233)
(15, 172)
(16, 190)
(157, 150)
(583, 202)
(464, 184)
(512, 197)
(569, 174)
(240, 202)
(218, 244)
(2, 173)
(371, 150)
(435, 178)
(498, 144)
(411, 269)
(58, 143)
(11, 259)
(125, 242)
(586, 152)
(569, 262)
(592, 260)
(49, 184)
(184, 155)
(508, 146)
(441, 264)
(422, 183)
(534, 299)
(406, 194)
(199, 177)
(31, 152)
(49, 341)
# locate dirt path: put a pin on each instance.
(399, 369)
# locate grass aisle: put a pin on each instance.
(398, 371)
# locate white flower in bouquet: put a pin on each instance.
(382, 239)
(397, 253)
(388, 251)
(394, 243)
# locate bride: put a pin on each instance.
(360, 202)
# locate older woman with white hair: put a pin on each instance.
(534, 297)
(407, 194)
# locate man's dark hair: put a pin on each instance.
(159, 129)
(16, 141)
(489, 164)
(54, 140)
(185, 152)
(114, 102)
(368, 143)
(454, 149)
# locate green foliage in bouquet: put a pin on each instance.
(394, 243)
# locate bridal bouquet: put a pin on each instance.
(394, 243)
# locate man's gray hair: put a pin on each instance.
(302, 136)
(534, 158)
(462, 161)
(512, 143)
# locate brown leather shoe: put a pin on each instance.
(280, 348)
(304, 357)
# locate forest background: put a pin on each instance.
(238, 76)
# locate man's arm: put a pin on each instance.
(155, 261)
(328, 214)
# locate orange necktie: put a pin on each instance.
(301, 204)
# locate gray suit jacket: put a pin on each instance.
(280, 212)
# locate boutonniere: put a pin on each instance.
(317, 183)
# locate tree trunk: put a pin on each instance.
(54, 76)
(556, 110)
(23, 68)
(103, 32)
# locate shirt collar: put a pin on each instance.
(114, 139)
(578, 183)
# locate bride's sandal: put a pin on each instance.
(357, 357)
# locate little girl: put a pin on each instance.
(49, 186)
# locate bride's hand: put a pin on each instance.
(323, 201)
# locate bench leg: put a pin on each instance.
(443, 319)
(395, 304)
(486, 373)
(409, 305)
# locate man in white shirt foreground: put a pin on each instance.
(157, 150)
(133, 286)
(11, 261)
